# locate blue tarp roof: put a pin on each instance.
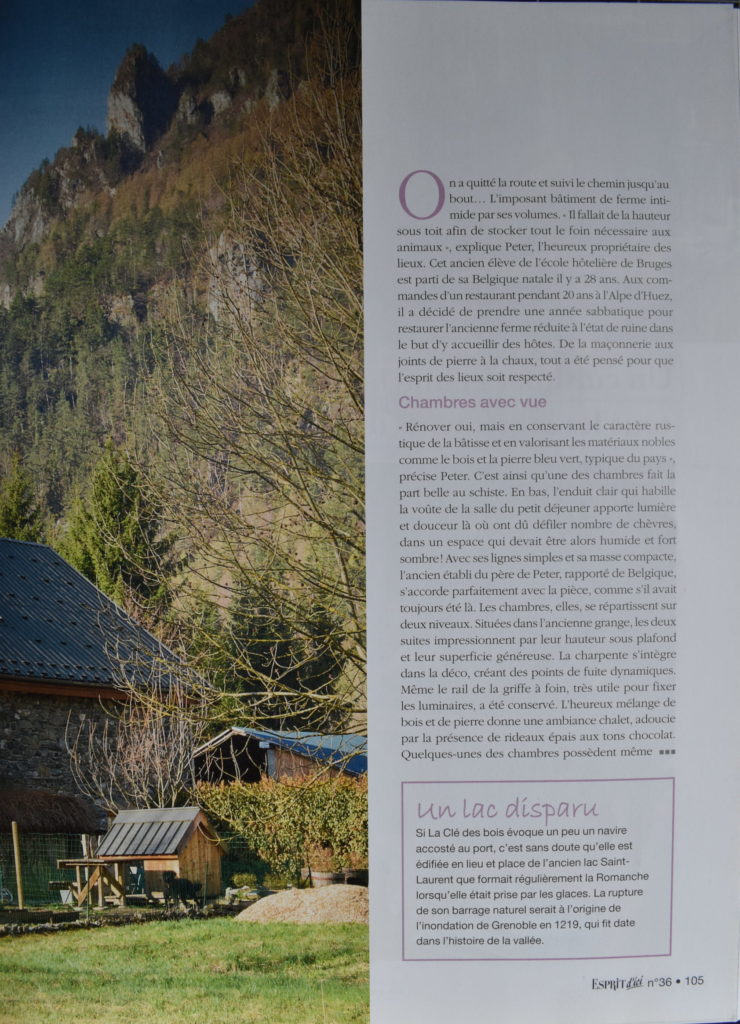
(348, 750)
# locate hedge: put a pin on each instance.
(321, 823)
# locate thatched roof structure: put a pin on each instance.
(40, 811)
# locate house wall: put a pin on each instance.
(200, 861)
(289, 765)
(32, 729)
(154, 869)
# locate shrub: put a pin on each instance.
(282, 880)
(245, 879)
(284, 821)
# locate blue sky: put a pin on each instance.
(59, 58)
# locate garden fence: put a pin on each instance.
(41, 876)
(239, 857)
(39, 855)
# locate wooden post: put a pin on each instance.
(86, 887)
(120, 873)
(17, 859)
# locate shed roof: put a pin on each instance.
(151, 832)
(347, 751)
(55, 625)
(41, 811)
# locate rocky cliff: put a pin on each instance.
(142, 100)
(155, 115)
(119, 230)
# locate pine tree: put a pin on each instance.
(20, 514)
(115, 537)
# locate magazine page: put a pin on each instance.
(551, 240)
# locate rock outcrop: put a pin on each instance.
(142, 100)
(28, 220)
(153, 116)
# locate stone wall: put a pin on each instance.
(32, 746)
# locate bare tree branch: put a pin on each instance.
(259, 410)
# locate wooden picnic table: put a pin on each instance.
(98, 874)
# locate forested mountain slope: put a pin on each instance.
(181, 356)
(97, 234)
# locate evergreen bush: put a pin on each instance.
(285, 821)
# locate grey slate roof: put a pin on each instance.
(56, 625)
(148, 833)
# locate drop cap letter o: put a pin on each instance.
(440, 195)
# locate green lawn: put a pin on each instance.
(182, 972)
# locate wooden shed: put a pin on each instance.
(245, 754)
(170, 839)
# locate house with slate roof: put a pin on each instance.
(248, 754)
(62, 647)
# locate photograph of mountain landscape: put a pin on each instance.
(181, 396)
(181, 360)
